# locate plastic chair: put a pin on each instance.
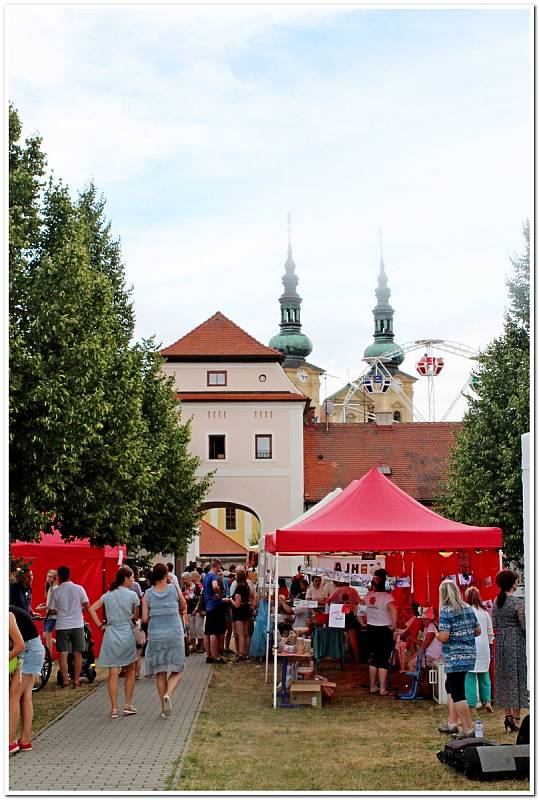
(411, 694)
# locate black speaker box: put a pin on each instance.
(497, 763)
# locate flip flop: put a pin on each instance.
(114, 713)
(129, 711)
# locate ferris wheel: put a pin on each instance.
(376, 377)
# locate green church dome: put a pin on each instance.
(292, 344)
(378, 348)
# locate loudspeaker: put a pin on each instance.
(497, 763)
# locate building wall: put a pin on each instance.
(247, 527)
(248, 377)
(271, 488)
(310, 387)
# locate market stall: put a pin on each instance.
(94, 568)
(373, 515)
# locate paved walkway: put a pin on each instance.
(85, 751)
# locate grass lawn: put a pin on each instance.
(52, 701)
(358, 743)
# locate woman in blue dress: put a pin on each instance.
(164, 607)
(118, 648)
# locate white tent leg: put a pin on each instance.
(276, 589)
(268, 628)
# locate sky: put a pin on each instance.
(205, 126)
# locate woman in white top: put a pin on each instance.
(381, 616)
(480, 674)
(316, 591)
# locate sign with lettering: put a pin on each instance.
(353, 566)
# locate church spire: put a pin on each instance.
(383, 319)
(291, 341)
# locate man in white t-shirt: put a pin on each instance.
(69, 600)
(171, 576)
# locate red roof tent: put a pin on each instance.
(91, 567)
(372, 514)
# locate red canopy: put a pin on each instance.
(91, 567)
(373, 514)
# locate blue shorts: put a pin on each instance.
(32, 657)
(50, 624)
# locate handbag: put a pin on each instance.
(140, 636)
(186, 644)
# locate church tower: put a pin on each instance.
(370, 404)
(291, 342)
(383, 324)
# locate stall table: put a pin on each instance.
(328, 643)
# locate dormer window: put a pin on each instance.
(216, 377)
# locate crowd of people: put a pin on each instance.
(161, 619)
(158, 619)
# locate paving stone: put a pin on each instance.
(87, 751)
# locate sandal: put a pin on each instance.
(129, 711)
(114, 713)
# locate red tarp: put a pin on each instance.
(373, 514)
(94, 568)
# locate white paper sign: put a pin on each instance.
(336, 616)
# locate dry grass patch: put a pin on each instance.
(359, 743)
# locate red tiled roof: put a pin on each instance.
(214, 542)
(219, 339)
(417, 453)
(245, 397)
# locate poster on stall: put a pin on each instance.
(336, 616)
(356, 567)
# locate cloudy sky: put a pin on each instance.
(205, 126)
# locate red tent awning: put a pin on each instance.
(373, 514)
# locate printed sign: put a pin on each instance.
(336, 616)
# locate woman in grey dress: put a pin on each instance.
(118, 648)
(164, 607)
(510, 672)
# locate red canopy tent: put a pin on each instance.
(93, 568)
(374, 515)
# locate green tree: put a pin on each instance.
(484, 485)
(173, 500)
(95, 441)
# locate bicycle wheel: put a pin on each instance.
(42, 677)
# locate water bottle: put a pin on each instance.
(479, 731)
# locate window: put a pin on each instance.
(263, 448)
(216, 447)
(397, 416)
(216, 378)
(230, 518)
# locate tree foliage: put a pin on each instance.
(96, 444)
(484, 485)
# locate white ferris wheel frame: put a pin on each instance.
(379, 365)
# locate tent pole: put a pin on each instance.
(276, 590)
(268, 624)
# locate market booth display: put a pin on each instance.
(94, 568)
(419, 547)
